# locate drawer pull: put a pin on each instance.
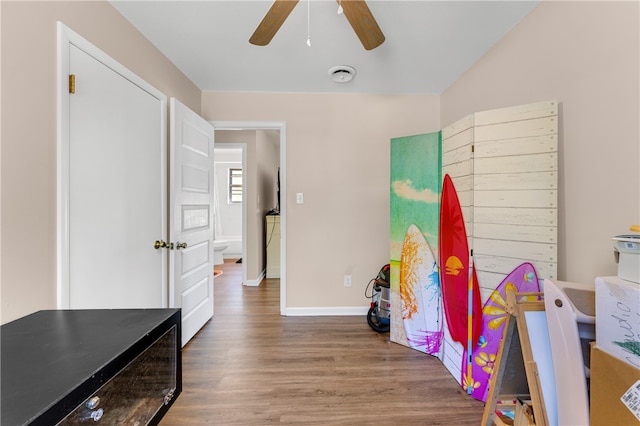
(94, 415)
(93, 403)
(168, 396)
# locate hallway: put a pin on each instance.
(251, 366)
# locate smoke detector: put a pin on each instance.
(342, 73)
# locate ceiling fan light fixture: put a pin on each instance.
(342, 73)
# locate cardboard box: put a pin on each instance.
(618, 318)
(610, 379)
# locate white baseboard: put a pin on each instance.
(256, 282)
(328, 311)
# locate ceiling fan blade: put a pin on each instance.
(272, 21)
(363, 23)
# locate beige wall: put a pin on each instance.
(586, 56)
(337, 154)
(28, 164)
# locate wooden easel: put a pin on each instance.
(515, 371)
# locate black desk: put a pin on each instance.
(53, 361)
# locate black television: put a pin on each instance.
(276, 209)
(278, 191)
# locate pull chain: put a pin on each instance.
(309, 23)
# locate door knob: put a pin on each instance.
(180, 246)
(160, 244)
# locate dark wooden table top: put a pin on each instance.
(48, 355)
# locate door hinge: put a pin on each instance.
(473, 147)
(72, 83)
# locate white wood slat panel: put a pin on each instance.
(452, 354)
(548, 270)
(462, 183)
(536, 234)
(458, 126)
(464, 138)
(521, 112)
(518, 146)
(532, 252)
(515, 216)
(517, 164)
(504, 265)
(464, 197)
(457, 155)
(467, 215)
(457, 169)
(516, 129)
(529, 199)
(507, 181)
(452, 365)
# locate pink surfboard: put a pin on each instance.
(494, 313)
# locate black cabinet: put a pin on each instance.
(115, 367)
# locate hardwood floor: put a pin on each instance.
(251, 366)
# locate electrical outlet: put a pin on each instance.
(347, 280)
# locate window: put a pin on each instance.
(235, 186)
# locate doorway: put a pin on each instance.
(230, 163)
(248, 250)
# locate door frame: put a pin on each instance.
(66, 37)
(281, 126)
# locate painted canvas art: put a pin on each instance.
(417, 317)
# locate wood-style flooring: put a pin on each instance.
(251, 366)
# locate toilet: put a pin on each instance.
(218, 247)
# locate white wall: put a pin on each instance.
(585, 55)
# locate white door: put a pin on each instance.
(191, 217)
(116, 186)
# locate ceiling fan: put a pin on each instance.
(356, 11)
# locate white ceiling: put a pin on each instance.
(429, 44)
